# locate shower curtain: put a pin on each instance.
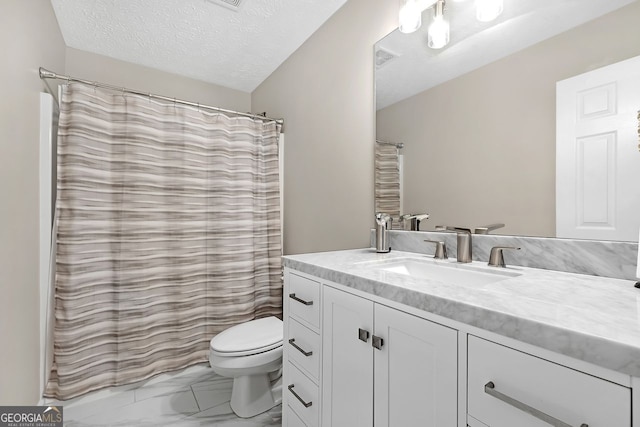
(168, 233)
(387, 182)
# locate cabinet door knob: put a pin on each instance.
(292, 341)
(306, 404)
(377, 342)
(301, 301)
(363, 335)
(490, 389)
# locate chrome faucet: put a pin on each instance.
(464, 252)
(383, 223)
(413, 221)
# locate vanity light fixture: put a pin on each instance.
(410, 17)
(439, 28)
(488, 10)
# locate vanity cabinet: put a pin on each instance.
(384, 367)
(355, 361)
(509, 388)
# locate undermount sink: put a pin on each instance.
(444, 271)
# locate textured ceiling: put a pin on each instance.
(195, 38)
(473, 44)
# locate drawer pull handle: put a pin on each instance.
(306, 404)
(294, 297)
(490, 389)
(292, 341)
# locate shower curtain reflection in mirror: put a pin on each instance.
(388, 181)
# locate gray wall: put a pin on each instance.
(89, 66)
(480, 149)
(29, 38)
(325, 93)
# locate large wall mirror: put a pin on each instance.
(477, 118)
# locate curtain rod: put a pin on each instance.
(398, 145)
(46, 74)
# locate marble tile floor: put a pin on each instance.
(195, 396)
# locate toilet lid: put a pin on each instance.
(250, 337)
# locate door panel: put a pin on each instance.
(347, 361)
(597, 157)
(415, 371)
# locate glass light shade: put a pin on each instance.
(410, 16)
(488, 10)
(438, 33)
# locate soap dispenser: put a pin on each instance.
(383, 223)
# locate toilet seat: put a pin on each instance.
(253, 337)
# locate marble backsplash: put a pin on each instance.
(597, 258)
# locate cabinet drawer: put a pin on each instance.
(303, 347)
(304, 300)
(565, 394)
(472, 422)
(292, 419)
(302, 395)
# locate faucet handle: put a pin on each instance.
(487, 228)
(496, 259)
(412, 221)
(441, 249)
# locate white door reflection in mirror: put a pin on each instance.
(597, 157)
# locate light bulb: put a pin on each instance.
(488, 10)
(439, 29)
(410, 16)
(438, 33)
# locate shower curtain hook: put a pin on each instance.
(199, 107)
(149, 96)
(68, 80)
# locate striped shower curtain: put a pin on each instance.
(168, 232)
(387, 182)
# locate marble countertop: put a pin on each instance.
(590, 318)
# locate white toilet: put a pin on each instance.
(251, 354)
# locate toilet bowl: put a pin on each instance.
(251, 354)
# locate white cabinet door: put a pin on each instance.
(347, 361)
(597, 158)
(415, 371)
